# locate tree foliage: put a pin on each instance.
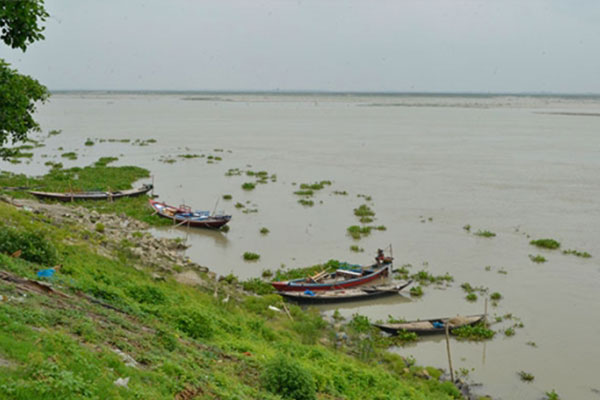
(20, 25)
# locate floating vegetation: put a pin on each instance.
(552, 395)
(582, 254)
(532, 344)
(356, 249)
(496, 296)
(104, 161)
(227, 197)
(358, 231)
(249, 256)
(471, 297)
(340, 193)
(473, 332)
(218, 150)
(54, 132)
(509, 332)
(250, 210)
(233, 172)
(188, 156)
(537, 259)
(416, 291)
(366, 220)
(467, 228)
(488, 267)
(306, 203)
(380, 227)
(314, 186)
(364, 211)
(364, 196)
(304, 192)
(526, 376)
(167, 160)
(486, 234)
(140, 142)
(546, 243)
(264, 231)
(89, 142)
(248, 186)
(239, 205)
(69, 156)
(503, 271)
(425, 278)
(225, 228)
(472, 289)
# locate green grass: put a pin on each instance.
(182, 337)
(545, 243)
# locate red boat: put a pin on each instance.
(183, 215)
(340, 279)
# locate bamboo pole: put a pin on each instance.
(286, 310)
(448, 350)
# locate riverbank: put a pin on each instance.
(127, 316)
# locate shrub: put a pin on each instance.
(194, 323)
(545, 243)
(33, 246)
(288, 379)
(258, 286)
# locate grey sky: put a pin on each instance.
(334, 45)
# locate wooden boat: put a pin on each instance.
(183, 215)
(431, 326)
(92, 195)
(340, 279)
(342, 295)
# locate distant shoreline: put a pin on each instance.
(332, 93)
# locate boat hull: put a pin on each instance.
(421, 328)
(341, 296)
(209, 222)
(300, 286)
(92, 195)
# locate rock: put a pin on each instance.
(123, 382)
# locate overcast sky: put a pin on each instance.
(329, 45)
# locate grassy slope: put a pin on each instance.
(181, 336)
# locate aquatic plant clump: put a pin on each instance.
(248, 186)
(364, 211)
(473, 332)
(582, 254)
(545, 243)
(249, 256)
(486, 234)
(538, 259)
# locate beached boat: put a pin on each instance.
(183, 215)
(92, 195)
(431, 326)
(343, 295)
(341, 279)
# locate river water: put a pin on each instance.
(521, 167)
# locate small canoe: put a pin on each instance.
(339, 296)
(92, 195)
(340, 279)
(431, 326)
(183, 215)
